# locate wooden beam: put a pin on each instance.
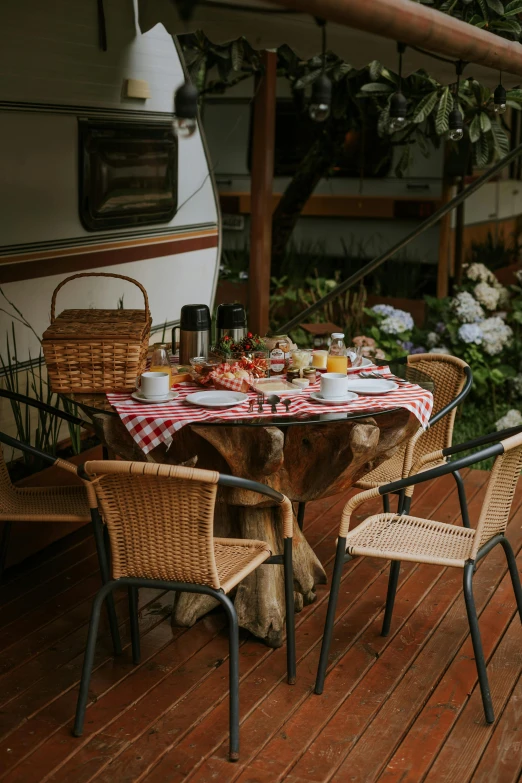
(262, 174)
(417, 25)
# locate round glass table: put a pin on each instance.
(306, 456)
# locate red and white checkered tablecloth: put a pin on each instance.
(151, 425)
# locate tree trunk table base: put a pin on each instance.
(305, 462)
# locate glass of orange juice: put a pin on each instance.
(160, 361)
(337, 360)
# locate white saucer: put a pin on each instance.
(372, 386)
(137, 395)
(318, 397)
(216, 399)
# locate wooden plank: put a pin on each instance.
(466, 743)
(262, 174)
(406, 700)
(502, 759)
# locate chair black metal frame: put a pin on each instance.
(133, 584)
(342, 557)
(14, 443)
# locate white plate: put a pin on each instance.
(364, 363)
(140, 398)
(216, 399)
(371, 386)
(318, 397)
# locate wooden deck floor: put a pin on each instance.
(401, 709)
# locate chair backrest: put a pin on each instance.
(448, 374)
(502, 483)
(160, 519)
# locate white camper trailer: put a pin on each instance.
(92, 177)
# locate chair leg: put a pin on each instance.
(513, 571)
(104, 570)
(4, 543)
(290, 612)
(89, 658)
(233, 642)
(386, 503)
(301, 508)
(395, 567)
(462, 498)
(134, 624)
(330, 615)
(477, 642)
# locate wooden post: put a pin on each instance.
(262, 173)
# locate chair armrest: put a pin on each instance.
(352, 504)
(42, 406)
(433, 456)
(28, 449)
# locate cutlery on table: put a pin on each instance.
(273, 400)
(378, 375)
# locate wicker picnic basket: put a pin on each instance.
(96, 350)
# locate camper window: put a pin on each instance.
(128, 173)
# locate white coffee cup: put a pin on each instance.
(333, 385)
(154, 385)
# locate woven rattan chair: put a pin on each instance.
(403, 537)
(66, 504)
(452, 380)
(160, 520)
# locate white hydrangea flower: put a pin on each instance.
(487, 295)
(496, 335)
(384, 309)
(504, 296)
(517, 384)
(397, 323)
(471, 333)
(432, 339)
(467, 309)
(440, 349)
(480, 273)
(512, 419)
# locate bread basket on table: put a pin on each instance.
(96, 350)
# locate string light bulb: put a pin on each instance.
(185, 110)
(321, 100)
(500, 98)
(398, 104)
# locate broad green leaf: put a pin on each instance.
(509, 25)
(496, 5)
(485, 122)
(500, 140)
(484, 9)
(237, 54)
(513, 105)
(477, 20)
(383, 121)
(474, 129)
(377, 88)
(340, 70)
(375, 69)
(443, 110)
(425, 106)
(483, 150)
(307, 79)
(514, 95)
(515, 7)
(389, 75)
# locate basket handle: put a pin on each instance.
(99, 274)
